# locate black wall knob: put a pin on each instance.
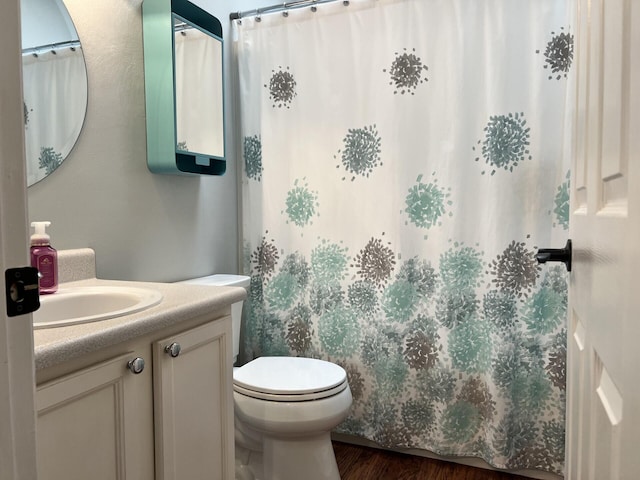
(563, 255)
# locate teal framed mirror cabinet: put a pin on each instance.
(184, 88)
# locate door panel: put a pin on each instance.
(603, 398)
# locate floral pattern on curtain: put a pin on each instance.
(402, 162)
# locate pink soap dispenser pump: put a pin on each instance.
(45, 258)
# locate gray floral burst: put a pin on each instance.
(516, 269)
(282, 88)
(26, 113)
(375, 262)
(265, 257)
(406, 72)
(559, 54)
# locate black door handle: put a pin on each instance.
(563, 255)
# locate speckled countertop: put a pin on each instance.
(180, 302)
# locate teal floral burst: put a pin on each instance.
(329, 263)
(302, 204)
(361, 154)
(363, 297)
(544, 311)
(339, 331)
(400, 301)
(561, 201)
(282, 291)
(418, 417)
(461, 422)
(390, 372)
(426, 203)
(420, 274)
(470, 346)
(296, 265)
(49, 159)
(501, 309)
(461, 268)
(506, 142)
(253, 157)
(438, 383)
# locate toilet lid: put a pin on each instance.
(289, 378)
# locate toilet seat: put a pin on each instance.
(289, 379)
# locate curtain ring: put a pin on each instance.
(285, 13)
(345, 3)
(314, 9)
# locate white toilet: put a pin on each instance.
(285, 409)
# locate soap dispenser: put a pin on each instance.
(44, 257)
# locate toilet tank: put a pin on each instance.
(225, 280)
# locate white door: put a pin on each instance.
(17, 419)
(603, 416)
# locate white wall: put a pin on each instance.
(142, 226)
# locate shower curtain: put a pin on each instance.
(197, 62)
(402, 161)
(55, 100)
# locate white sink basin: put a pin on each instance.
(70, 306)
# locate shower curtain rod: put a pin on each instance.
(282, 6)
(72, 44)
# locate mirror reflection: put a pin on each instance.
(54, 85)
(198, 90)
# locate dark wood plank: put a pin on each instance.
(362, 463)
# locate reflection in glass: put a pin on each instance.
(198, 85)
(54, 85)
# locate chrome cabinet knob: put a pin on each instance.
(136, 365)
(173, 349)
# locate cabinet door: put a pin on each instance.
(96, 424)
(193, 404)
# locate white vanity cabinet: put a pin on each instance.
(95, 423)
(98, 420)
(193, 413)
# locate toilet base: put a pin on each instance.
(308, 458)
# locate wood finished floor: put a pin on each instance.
(362, 463)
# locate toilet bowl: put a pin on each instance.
(285, 409)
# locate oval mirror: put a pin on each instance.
(54, 85)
